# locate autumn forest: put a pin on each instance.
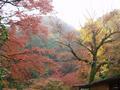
(42, 52)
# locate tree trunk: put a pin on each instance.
(93, 69)
(92, 72)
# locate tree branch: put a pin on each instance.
(81, 44)
(103, 41)
(12, 2)
(73, 52)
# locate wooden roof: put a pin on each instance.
(106, 80)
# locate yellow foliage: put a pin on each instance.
(85, 35)
(100, 53)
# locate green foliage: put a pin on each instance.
(3, 34)
(55, 85)
(48, 72)
(20, 86)
(12, 83)
(34, 74)
(2, 76)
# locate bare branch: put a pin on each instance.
(73, 52)
(104, 40)
(12, 2)
(108, 41)
(83, 45)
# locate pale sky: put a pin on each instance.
(75, 12)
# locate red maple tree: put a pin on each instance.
(22, 60)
